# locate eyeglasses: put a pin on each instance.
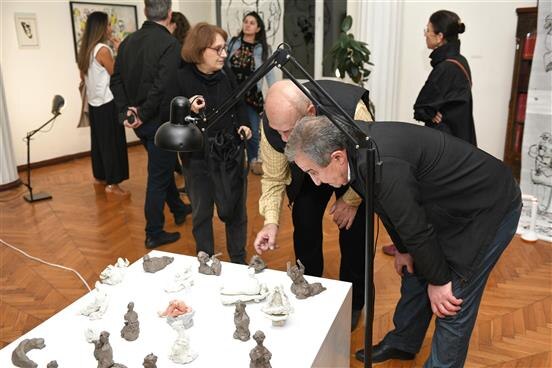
(220, 49)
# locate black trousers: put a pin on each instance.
(108, 144)
(161, 187)
(307, 213)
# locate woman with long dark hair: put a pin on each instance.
(107, 137)
(246, 53)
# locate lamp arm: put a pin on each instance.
(33, 132)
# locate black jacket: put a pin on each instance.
(147, 60)
(440, 198)
(448, 91)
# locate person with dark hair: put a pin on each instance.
(179, 26)
(146, 63)
(246, 53)
(108, 141)
(438, 198)
(216, 175)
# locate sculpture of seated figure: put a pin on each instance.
(131, 330)
(277, 306)
(204, 267)
(104, 353)
(155, 264)
(300, 287)
(241, 320)
(150, 361)
(260, 356)
(257, 263)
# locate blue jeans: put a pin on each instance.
(253, 143)
(413, 313)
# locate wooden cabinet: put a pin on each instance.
(526, 34)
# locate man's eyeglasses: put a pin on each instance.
(220, 49)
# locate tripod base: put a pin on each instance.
(35, 197)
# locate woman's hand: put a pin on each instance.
(244, 131)
(198, 103)
(437, 118)
(115, 42)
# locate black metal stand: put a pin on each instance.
(35, 197)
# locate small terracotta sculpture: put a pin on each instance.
(205, 268)
(300, 287)
(257, 263)
(181, 352)
(181, 280)
(131, 330)
(150, 361)
(52, 364)
(260, 356)
(241, 320)
(114, 274)
(104, 353)
(155, 264)
(97, 308)
(175, 309)
(277, 307)
(19, 355)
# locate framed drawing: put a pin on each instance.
(26, 30)
(123, 19)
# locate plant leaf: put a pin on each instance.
(347, 23)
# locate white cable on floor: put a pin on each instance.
(47, 263)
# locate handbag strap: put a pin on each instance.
(454, 61)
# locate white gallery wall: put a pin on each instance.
(33, 76)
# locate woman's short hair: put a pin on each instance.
(200, 37)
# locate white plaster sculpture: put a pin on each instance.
(19, 355)
(96, 309)
(91, 334)
(277, 307)
(114, 274)
(181, 352)
(244, 287)
(180, 281)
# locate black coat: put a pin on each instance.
(448, 90)
(440, 198)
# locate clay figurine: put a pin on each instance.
(178, 312)
(19, 355)
(277, 307)
(181, 280)
(205, 268)
(150, 361)
(52, 364)
(114, 274)
(152, 265)
(104, 353)
(260, 356)
(181, 351)
(131, 330)
(97, 308)
(300, 287)
(241, 320)
(242, 286)
(257, 263)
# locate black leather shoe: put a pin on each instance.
(164, 238)
(181, 217)
(355, 318)
(382, 352)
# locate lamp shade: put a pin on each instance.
(179, 135)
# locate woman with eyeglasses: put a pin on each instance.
(445, 101)
(216, 175)
(246, 53)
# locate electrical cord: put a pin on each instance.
(46, 263)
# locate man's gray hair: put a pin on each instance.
(157, 10)
(317, 138)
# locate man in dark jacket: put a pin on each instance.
(147, 60)
(450, 208)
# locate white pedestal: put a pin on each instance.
(316, 334)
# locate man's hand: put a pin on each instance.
(198, 103)
(343, 213)
(137, 122)
(401, 260)
(266, 238)
(437, 118)
(245, 132)
(443, 303)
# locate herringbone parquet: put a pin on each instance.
(85, 231)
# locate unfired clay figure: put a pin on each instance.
(175, 309)
(257, 263)
(241, 320)
(131, 330)
(242, 286)
(181, 280)
(114, 274)
(260, 356)
(277, 307)
(96, 309)
(181, 352)
(150, 361)
(154, 264)
(300, 287)
(19, 355)
(214, 268)
(52, 364)
(104, 353)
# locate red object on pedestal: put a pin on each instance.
(529, 45)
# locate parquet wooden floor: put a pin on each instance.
(85, 231)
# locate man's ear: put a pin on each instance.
(340, 156)
(311, 110)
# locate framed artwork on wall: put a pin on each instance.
(123, 19)
(26, 30)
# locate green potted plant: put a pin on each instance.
(349, 56)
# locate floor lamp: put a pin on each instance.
(181, 134)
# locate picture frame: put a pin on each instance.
(26, 28)
(122, 17)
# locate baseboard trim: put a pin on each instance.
(66, 158)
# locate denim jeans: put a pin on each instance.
(413, 313)
(253, 143)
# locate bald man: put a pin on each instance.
(285, 104)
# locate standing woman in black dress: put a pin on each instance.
(445, 101)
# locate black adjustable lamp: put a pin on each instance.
(181, 134)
